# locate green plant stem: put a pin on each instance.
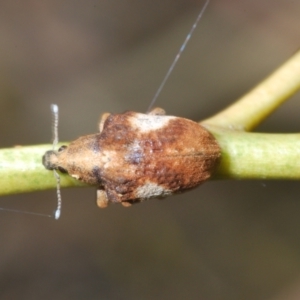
(260, 102)
(257, 155)
(244, 156)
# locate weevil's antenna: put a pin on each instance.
(58, 208)
(178, 56)
(54, 109)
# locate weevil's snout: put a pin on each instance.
(50, 160)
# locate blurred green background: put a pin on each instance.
(224, 240)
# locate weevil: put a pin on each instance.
(139, 156)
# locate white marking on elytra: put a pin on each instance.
(145, 123)
(151, 189)
(54, 109)
(177, 56)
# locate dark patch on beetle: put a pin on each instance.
(97, 174)
(63, 147)
(62, 170)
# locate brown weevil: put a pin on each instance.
(139, 156)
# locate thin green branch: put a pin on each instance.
(244, 156)
(257, 155)
(255, 106)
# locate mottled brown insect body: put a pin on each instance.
(139, 156)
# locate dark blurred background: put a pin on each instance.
(224, 240)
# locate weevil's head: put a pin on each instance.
(51, 160)
(81, 159)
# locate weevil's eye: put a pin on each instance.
(62, 148)
(61, 169)
(48, 160)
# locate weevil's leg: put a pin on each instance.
(157, 111)
(102, 200)
(126, 204)
(102, 120)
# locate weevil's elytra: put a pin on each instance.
(139, 156)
